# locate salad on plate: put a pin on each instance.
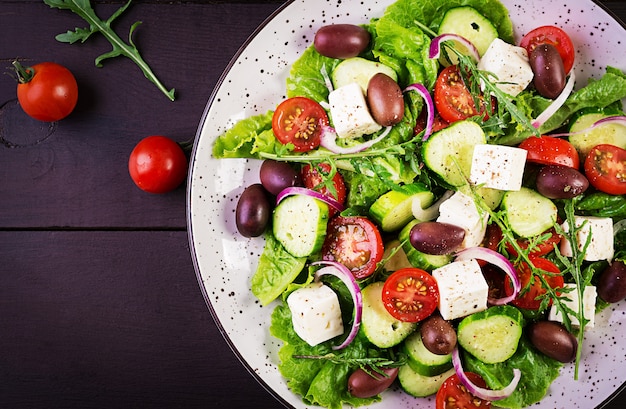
(442, 209)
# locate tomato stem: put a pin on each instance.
(24, 74)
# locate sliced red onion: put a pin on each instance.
(435, 45)
(498, 260)
(328, 140)
(327, 81)
(345, 275)
(296, 190)
(483, 393)
(557, 103)
(431, 212)
(618, 119)
(430, 107)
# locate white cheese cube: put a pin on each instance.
(498, 167)
(460, 210)
(350, 115)
(601, 243)
(509, 64)
(315, 313)
(589, 305)
(463, 289)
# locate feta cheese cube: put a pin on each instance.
(350, 115)
(509, 64)
(315, 313)
(498, 167)
(601, 243)
(463, 289)
(589, 305)
(460, 210)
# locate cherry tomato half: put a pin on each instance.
(555, 36)
(157, 164)
(410, 294)
(605, 167)
(454, 395)
(46, 91)
(299, 121)
(453, 100)
(548, 150)
(493, 237)
(438, 124)
(528, 299)
(317, 177)
(354, 242)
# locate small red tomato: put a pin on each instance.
(157, 164)
(46, 91)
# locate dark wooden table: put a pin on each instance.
(99, 302)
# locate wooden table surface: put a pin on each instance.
(99, 302)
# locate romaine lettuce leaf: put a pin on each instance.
(246, 138)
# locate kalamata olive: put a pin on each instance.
(276, 176)
(384, 98)
(341, 40)
(547, 65)
(553, 339)
(612, 282)
(438, 335)
(560, 182)
(436, 238)
(253, 211)
(363, 385)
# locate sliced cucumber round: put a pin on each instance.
(299, 224)
(393, 210)
(611, 133)
(528, 213)
(467, 22)
(419, 385)
(359, 70)
(422, 360)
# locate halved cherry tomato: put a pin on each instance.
(605, 167)
(554, 36)
(453, 99)
(354, 242)
(528, 299)
(410, 294)
(299, 121)
(317, 177)
(454, 395)
(548, 150)
(438, 124)
(493, 237)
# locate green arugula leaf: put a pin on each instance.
(120, 48)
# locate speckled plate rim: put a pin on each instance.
(194, 224)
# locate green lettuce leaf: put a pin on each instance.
(246, 138)
(305, 77)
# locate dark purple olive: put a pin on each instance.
(363, 385)
(560, 182)
(276, 176)
(553, 339)
(341, 40)
(253, 211)
(547, 65)
(438, 335)
(436, 238)
(612, 283)
(384, 98)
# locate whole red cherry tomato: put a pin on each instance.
(46, 91)
(157, 164)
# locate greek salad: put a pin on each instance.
(441, 210)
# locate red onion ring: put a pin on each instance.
(341, 272)
(328, 140)
(435, 45)
(296, 190)
(483, 393)
(498, 260)
(557, 103)
(430, 107)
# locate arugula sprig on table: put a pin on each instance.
(96, 25)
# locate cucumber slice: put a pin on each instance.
(398, 260)
(421, 360)
(380, 328)
(491, 335)
(299, 224)
(449, 152)
(419, 385)
(393, 210)
(528, 212)
(359, 70)
(612, 134)
(427, 262)
(492, 197)
(467, 22)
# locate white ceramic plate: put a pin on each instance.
(254, 83)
